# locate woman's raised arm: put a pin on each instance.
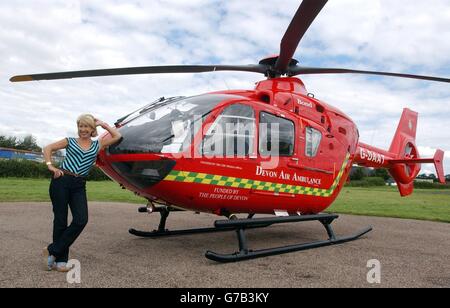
(115, 135)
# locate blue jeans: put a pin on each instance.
(67, 191)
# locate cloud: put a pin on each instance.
(403, 35)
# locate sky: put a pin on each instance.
(407, 36)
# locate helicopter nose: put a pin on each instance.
(140, 170)
(143, 173)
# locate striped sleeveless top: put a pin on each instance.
(77, 160)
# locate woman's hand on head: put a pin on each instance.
(57, 173)
(100, 123)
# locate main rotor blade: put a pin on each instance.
(299, 70)
(258, 68)
(306, 13)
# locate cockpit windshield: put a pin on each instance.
(166, 126)
(153, 105)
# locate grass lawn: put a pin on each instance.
(425, 204)
(19, 190)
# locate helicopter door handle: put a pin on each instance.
(310, 169)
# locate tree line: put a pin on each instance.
(361, 173)
(28, 143)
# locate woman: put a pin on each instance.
(68, 186)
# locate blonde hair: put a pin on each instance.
(89, 120)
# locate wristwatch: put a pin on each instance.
(48, 163)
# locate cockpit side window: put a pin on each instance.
(276, 135)
(313, 139)
(232, 134)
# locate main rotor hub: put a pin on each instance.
(271, 61)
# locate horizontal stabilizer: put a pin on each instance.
(437, 160)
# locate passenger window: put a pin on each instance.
(313, 138)
(277, 136)
(233, 133)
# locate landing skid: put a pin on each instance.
(163, 232)
(245, 253)
(240, 225)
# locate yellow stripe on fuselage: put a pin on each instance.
(224, 181)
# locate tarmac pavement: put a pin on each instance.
(411, 253)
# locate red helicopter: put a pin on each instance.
(272, 150)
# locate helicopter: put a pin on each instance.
(274, 150)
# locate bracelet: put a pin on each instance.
(48, 163)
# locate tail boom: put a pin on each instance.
(402, 160)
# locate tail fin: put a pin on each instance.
(438, 161)
(406, 164)
(406, 132)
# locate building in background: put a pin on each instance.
(6, 153)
